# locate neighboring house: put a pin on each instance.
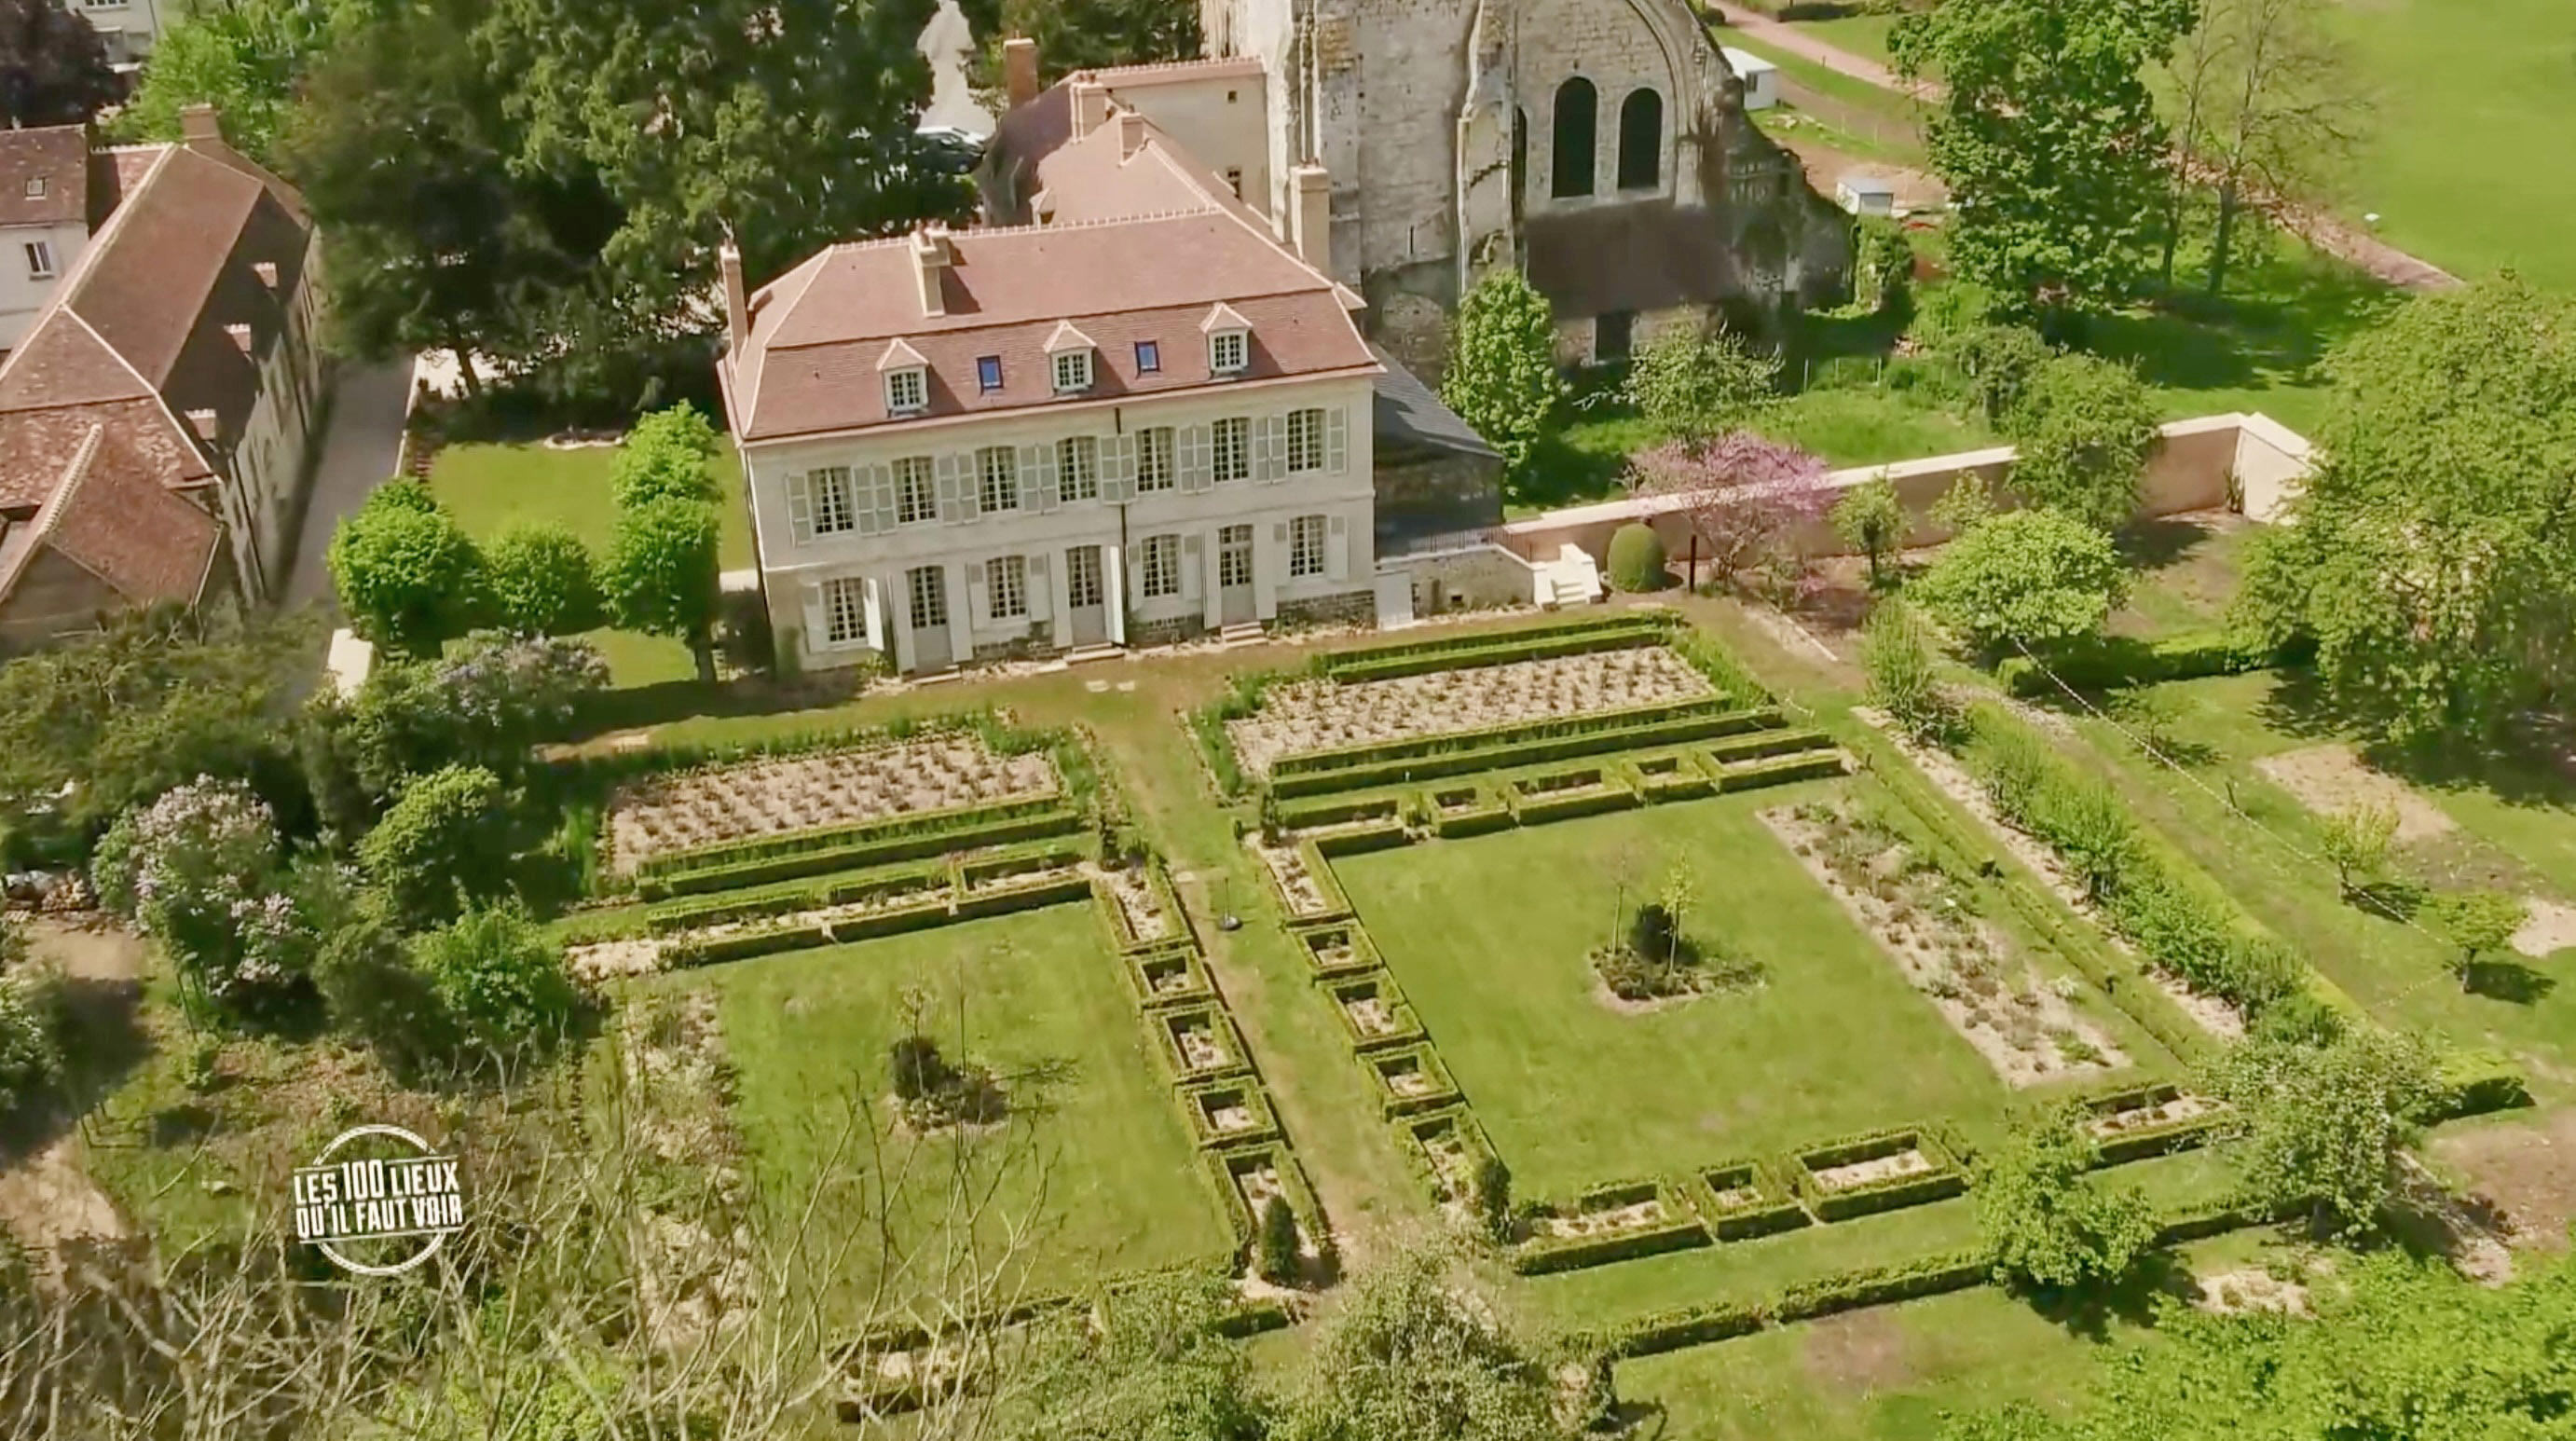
(44, 218)
(1601, 145)
(130, 27)
(1140, 420)
(158, 410)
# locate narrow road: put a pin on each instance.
(2336, 237)
(358, 454)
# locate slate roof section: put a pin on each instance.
(58, 155)
(1405, 414)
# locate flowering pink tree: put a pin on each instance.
(1746, 496)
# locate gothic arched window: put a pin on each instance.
(1641, 140)
(1576, 122)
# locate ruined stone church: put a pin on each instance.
(1601, 143)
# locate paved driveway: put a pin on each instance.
(358, 454)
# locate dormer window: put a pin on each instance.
(907, 379)
(35, 187)
(1069, 359)
(1229, 340)
(1149, 357)
(907, 390)
(988, 373)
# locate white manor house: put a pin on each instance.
(1138, 416)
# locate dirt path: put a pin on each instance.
(46, 1198)
(2326, 232)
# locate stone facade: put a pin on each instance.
(1600, 144)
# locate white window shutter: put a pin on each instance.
(800, 508)
(1041, 595)
(1337, 440)
(979, 596)
(817, 626)
(1038, 461)
(1195, 472)
(874, 517)
(946, 476)
(878, 493)
(957, 501)
(1337, 545)
(1269, 448)
(1279, 532)
(875, 597)
(1118, 468)
(1193, 560)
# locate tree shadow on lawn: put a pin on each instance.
(2274, 328)
(2164, 540)
(2089, 1313)
(2509, 981)
(669, 702)
(2533, 764)
(104, 1041)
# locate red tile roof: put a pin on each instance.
(1156, 252)
(110, 514)
(58, 155)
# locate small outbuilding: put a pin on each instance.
(1761, 78)
(1865, 194)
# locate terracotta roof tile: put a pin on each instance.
(110, 514)
(57, 155)
(35, 443)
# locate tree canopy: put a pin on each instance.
(2032, 576)
(1087, 34)
(2049, 140)
(1502, 376)
(407, 574)
(2084, 428)
(53, 65)
(2432, 557)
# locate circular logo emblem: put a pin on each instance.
(378, 1200)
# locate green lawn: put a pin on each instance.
(2258, 347)
(1862, 35)
(1488, 939)
(2466, 99)
(1847, 426)
(1099, 1156)
(492, 487)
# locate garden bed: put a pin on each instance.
(1201, 1042)
(1373, 1012)
(1302, 717)
(1340, 949)
(1171, 977)
(1230, 1112)
(1301, 878)
(781, 795)
(1465, 808)
(1140, 907)
(1565, 794)
(1475, 648)
(1883, 1171)
(2150, 1121)
(1609, 1223)
(1672, 775)
(1926, 921)
(1450, 1146)
(1411, 1079)
(1746, 1199)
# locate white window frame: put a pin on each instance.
(997, 477)
(1077, 467)
(914, 505)
(1305, 440)
(925, 590)
(40, 260)
(1155, 470)
(1071, 371)
(1158, 571)
(37, 187)
(1230, 448)
(907, 390)
(836, 501)
(845, 610)
(1234, 555)
(1229, 352)
(1306, 536)
(1006, 587)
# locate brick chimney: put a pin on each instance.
(1020, 70)
(200, 125)
(931, 257)
(1131, 134)
(1090, 107)
(737, 307)
(1311, 216)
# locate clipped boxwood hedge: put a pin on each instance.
(2118, 661)
(1680, 1229)
(1123, 935)
(851, 847)
(1666, 776)
(1532, 808)
(1774, 1207)
(779, 900)
(1947, 1177)
(1407, 1029)
(1143, 968)
(1425, 1058)
(1333, 905)
(1226, 1162)
(2159, 1139)
(1420, 1130)
(1361, 838)
(1877, 1285)
(1341, 811)
(1421, 748)
(1780, 771)
(1484, 648)
(1761, 745)
(1483, 814)
(1588, 736)
(1010, 900)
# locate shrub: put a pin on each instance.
(373, 993)
(1999, 361)
(1693, 384)
(2031, 576)
(2085, 427)
(442, 843)
(1637, 559)
(1492, 1197)
(1277, 1242)
(665, 455)
(2047, 1223)
(1897, 654)
(2474, 922)
(29, 1058)
(197, 870)
(408, 577)
(1871, 519)
(499, 980)
(917, 1068)
(1502, 378)
(543, 581)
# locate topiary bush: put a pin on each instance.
(442, 843)
(1637, 560)
(1277, 1242)
(500, 981)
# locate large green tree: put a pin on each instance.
(1412, 1357)
(1087, 34)
(53, 65)
(2325, 1126)
(2432, 557)
(408, 576)
(2049, 140)
(2035, 577)
(2084, 427)
(1502, 376)
(660, 574)
(2051, 1224)
(246, 58)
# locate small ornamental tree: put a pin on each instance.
(1999, 362)
(2049, 1225)
(408, 577)
(1636, 559)
(1967, 504)
(2475, 923)
(2084, 428)
(2356, 841)
(665, 455)
(512, 692)
(1502, 376)
(1896, 651)
(1871, 519)
(500, 981)
(1745, 496)
(1695, 384)
(2324, 1127)
(543, 581)
(1277, 1242)
(2033, 576)
(442, 843)
(1493, 1198)
(196, 871)
(660, 574)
